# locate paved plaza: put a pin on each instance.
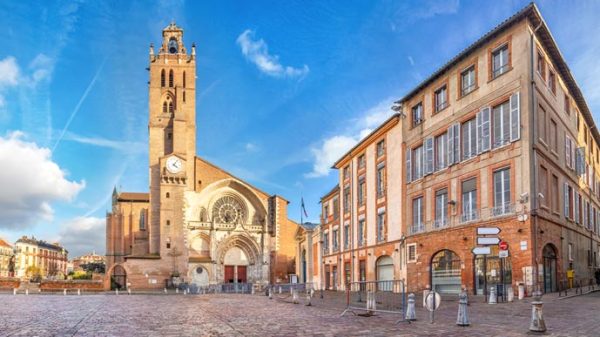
(254, 315)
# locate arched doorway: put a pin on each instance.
(236, 265)
(445, 272)
(200, 276)
(549, 256)
(385, 272)
(118, 278)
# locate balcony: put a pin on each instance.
(440, 223)
(503, 210)
(417, 228)
(469, 216)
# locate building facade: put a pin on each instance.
(77, 263)
(37, 258)
(499, 137)
(7, 259)
(199, 224)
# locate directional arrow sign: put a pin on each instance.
(481, 251)
(488, 241)
(488, 231)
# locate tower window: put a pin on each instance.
(184, 96)
(168, 196)
(168, 245)
(171, 110)
(165, 107)
(170, 78)
(168, 222)
(162, 78)
(184, 79)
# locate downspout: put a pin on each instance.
(533, 162)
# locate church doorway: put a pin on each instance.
(235, 266)
(118, 278)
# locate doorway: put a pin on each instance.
(492, 271)
(549, 255)
(446, 272)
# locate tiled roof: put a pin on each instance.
(133, 196)
(5, 244)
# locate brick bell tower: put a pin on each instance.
(172, 146)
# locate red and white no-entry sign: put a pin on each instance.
(503, 245)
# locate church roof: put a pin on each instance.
(133, 196)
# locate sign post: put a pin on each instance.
(432, 302)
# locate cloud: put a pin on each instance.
(83, 235)
(431, 8)
(251, 147)
(122, 146)
(257, 52)
(332, 148)
(9, 72)
(30, 182)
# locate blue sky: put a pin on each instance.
(283, 88)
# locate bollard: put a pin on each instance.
(64, 292)
(26, 291)
(463, 318)
(185, 291)
(15, 291)
(521, 291)
(510, 294)
(371, 303)
(280, 289)
(270, 293)
(129, 291)
(116, 291)
(493, 298)
(165, 290)
(252, 291)
(79, 292)
(309, 298)
(177, 290)
(537, 318)
(411, 314)
(295, 295)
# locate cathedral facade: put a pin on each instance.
(198, 224)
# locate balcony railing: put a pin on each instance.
(417, 228)
(469, 216)
(502, 210)
(440, 223)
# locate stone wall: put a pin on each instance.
(88, 285)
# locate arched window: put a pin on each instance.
(171, 78)
(446, 272)
(171, 109)
(165, 107)
(168, 195)
(184, 79)
(162, 78)
(142, 224)
(184, 96)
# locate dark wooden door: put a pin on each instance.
(229, 274)
(241, 274)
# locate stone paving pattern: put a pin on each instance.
(254, 315)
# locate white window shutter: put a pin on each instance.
(580, 162)
(566, 199)
(429, 155)
(515, 117)
(573, 158)
(568, 150)
(576, 207)
(450, 145)
(408, 165)
(484, 136)
(478, 131)
(456, 142)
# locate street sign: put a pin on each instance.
(481, 251)
(488, 231)
(433, 301)
(503, 253)
(488, 241)
(503, 245)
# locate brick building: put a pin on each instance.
(199, 224)
(500, 136)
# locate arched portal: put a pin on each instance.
(236, 266)
(385, 272)
(550, 256)
(118, 278)
(238, 260)
(445, 272)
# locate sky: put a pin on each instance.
(284, 88)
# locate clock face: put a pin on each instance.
(174, 164)
(172, 46)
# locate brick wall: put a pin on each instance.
(9, 283)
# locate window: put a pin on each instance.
(569, 152)
(347, 273)
(184, 96)
(381, 148)
(165, 107)
(346, 199)
(553, 136)
(335, 238)
(418, 162)
(541, 65)
(162, 78)
(542, 123)
(184, 80)
(552, 81)
(441, 208)
(346, 172)
(326, 242)
(361, 232)
(554, 196)
(500, 61)
(441, 98)
(543, 182)
(567, 105)
(361, 161)
(168, 222)
(326, 212)
(469, 200)
(346, 236)
(417, 114)
(171, 108)
(336, 208)
(412, 252)
(502, 130)
(467, 80)
(380, 226)
(469, 139)
(361, 191)
(170, 78)
(502, 203)
(380, 181)
(417, 215)
(441, 151)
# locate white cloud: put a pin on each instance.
(123, 146)
(9, 72)
(257, 52)
(431, 8)
(30, 182)
(332, 148)
(251, 147)
(83, 235)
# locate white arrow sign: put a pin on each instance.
(488, 241)
(482, 251)
(488, 231)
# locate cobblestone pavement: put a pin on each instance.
(254, 315)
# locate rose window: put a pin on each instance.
(228, 210)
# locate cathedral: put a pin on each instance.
(198, 224)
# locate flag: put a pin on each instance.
(303, 208)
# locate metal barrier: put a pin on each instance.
(578, 285)
(223, 288)
(293, 292)
(376, 296)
